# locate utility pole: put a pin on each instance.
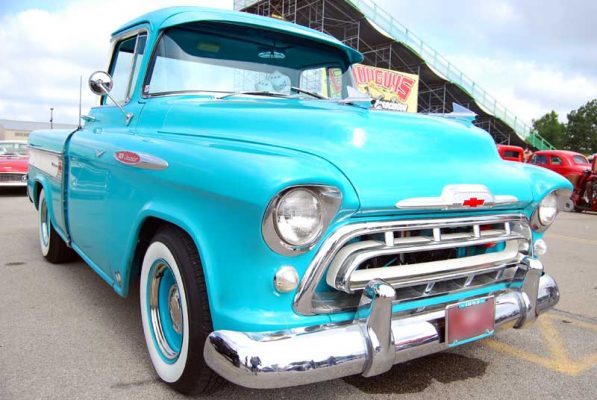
(51, 117)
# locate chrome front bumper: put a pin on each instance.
(369, 345)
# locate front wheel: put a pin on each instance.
(175, 312)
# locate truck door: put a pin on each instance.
(91, 196)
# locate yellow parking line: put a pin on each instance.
(574, 239)
(530, 357)
(552, 339)
(558, 359)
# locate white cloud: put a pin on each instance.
(534, 56)
(43, 54)
(527, 87)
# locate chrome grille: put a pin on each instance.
(419, 258)
(4, 177)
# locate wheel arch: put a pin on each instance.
(40, 184)
(149, 222)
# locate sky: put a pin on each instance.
(534, 56)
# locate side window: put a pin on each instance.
(539, 159)
(326, 81)
(125, 66)
(555, 160)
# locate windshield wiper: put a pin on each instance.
(303, 91)
(251, 93)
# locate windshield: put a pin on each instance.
(580, 160)
(13, 149)
(216, 57)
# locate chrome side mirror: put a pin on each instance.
(100, 83)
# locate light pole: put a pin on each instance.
(51, 117)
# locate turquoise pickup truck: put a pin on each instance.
(280, 230)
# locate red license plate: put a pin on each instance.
(470, 320)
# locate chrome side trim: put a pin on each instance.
(145, 161)
(39, 148)
(303, 300)
(47, 161)
(319, 353)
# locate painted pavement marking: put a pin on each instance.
(573, 239)
(558, 360)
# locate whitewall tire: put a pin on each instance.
(175, 312)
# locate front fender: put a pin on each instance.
(220, 203)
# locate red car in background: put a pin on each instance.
(14, 156)
(511, 153)
(578, 170)
(570, 164)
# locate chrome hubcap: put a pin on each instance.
(175, 309)
(165, 311)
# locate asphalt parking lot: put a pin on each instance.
(65, 334)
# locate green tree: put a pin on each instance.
(551, 129)
(581, 132)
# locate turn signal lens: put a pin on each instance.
(286, 279)
(540, 247)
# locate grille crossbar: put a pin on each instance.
(344, 273)
(347, 259)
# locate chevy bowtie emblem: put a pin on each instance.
(473, 202)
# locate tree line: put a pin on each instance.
(579, 133)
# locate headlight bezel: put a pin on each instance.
(329, 198)
(559, 198)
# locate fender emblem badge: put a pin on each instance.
(127, 157)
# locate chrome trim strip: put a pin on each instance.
(303, 300)
(146, 161)
(38, 147)
(47, 161)
(453, 197)
(313, 354)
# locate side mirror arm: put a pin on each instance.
(100, 84)
(127, 115)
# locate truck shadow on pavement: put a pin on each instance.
(13, 192)
(416, 375)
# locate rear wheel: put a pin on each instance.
(53, 248)
(175, 312)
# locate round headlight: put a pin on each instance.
(548, 209)
(298, 217)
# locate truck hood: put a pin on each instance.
(388, 157)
